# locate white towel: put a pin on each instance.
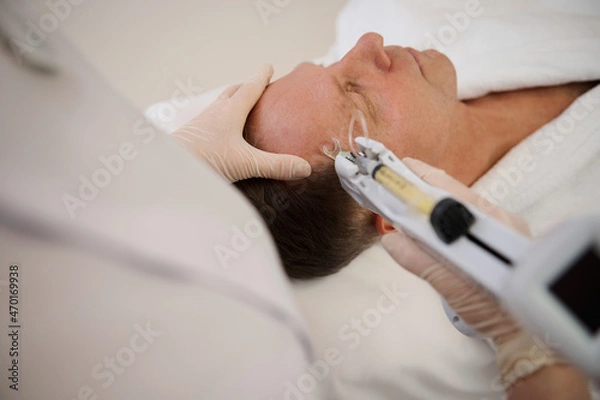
(553, 174)
(494, 45)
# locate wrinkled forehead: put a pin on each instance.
(300, 113)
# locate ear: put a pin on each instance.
(383, 226)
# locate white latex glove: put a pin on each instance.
(215, 135)
(472, 304)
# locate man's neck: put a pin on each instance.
(488, 127)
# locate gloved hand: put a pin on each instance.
(473, 305)
(216, 136)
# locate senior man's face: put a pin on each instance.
(408, 98)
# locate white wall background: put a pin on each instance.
(143, 47)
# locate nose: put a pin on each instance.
(369, 49)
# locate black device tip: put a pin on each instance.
(451, 220)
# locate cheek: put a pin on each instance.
(441, 73)
(415, 127)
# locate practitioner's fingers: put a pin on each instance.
(250, 91)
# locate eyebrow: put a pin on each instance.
(372, 110)
(339, 88)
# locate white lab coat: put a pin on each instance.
(159, 281)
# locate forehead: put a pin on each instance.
(300, 113)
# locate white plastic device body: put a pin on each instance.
(481, 265)
(554, 291)
(519, 273)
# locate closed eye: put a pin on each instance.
(353, 88)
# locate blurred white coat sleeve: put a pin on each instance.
(141, 274)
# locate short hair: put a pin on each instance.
(317, 227)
